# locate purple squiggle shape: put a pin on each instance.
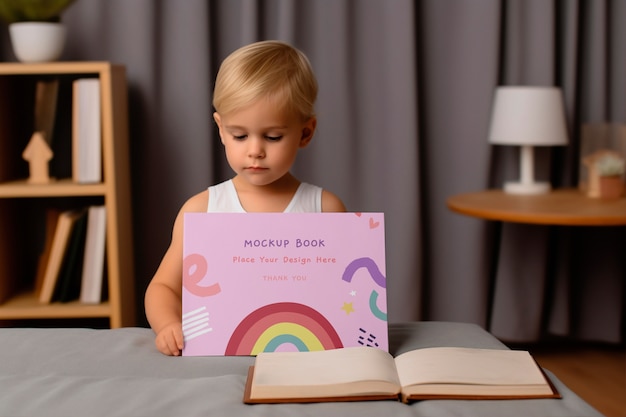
(371, 267)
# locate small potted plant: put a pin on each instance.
(35, 28)
(610, 169)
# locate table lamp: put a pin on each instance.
(528, 117)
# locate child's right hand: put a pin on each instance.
(170, 340)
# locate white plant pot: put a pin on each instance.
(37, 41)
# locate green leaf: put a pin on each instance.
(32, 10)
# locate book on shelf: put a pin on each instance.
(46, 93)
(58, 249)
(68, 284)
(363, 373)
(52, 217)
(93, 265)
(86, 131)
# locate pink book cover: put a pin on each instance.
(264, 282)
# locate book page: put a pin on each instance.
(324, 373)
(468, 366)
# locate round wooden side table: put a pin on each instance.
(565, 207)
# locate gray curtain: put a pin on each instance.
(404, 106)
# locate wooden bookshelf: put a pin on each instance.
(23, 204)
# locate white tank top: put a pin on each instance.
(223, 198)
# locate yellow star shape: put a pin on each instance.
(347, 307)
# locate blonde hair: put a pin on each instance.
(267, 69)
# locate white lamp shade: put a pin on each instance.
(528, 116)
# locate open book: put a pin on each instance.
(364, 373)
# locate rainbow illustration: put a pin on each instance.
(274, 325)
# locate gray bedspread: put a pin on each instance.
(85, 372)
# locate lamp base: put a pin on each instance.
(527, 188)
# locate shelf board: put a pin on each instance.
(58, 67)
(26, 306)
(55, 188)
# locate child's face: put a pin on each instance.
(261, 141)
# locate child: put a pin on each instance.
(264, 98)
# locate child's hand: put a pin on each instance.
(169, 340)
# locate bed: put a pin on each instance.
(87, 372)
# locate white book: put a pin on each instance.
(86, 131)
(93, 263)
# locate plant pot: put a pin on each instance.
(37, 41)
(611, 187)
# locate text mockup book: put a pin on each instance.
(263, 282)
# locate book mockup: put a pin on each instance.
(270, 282)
